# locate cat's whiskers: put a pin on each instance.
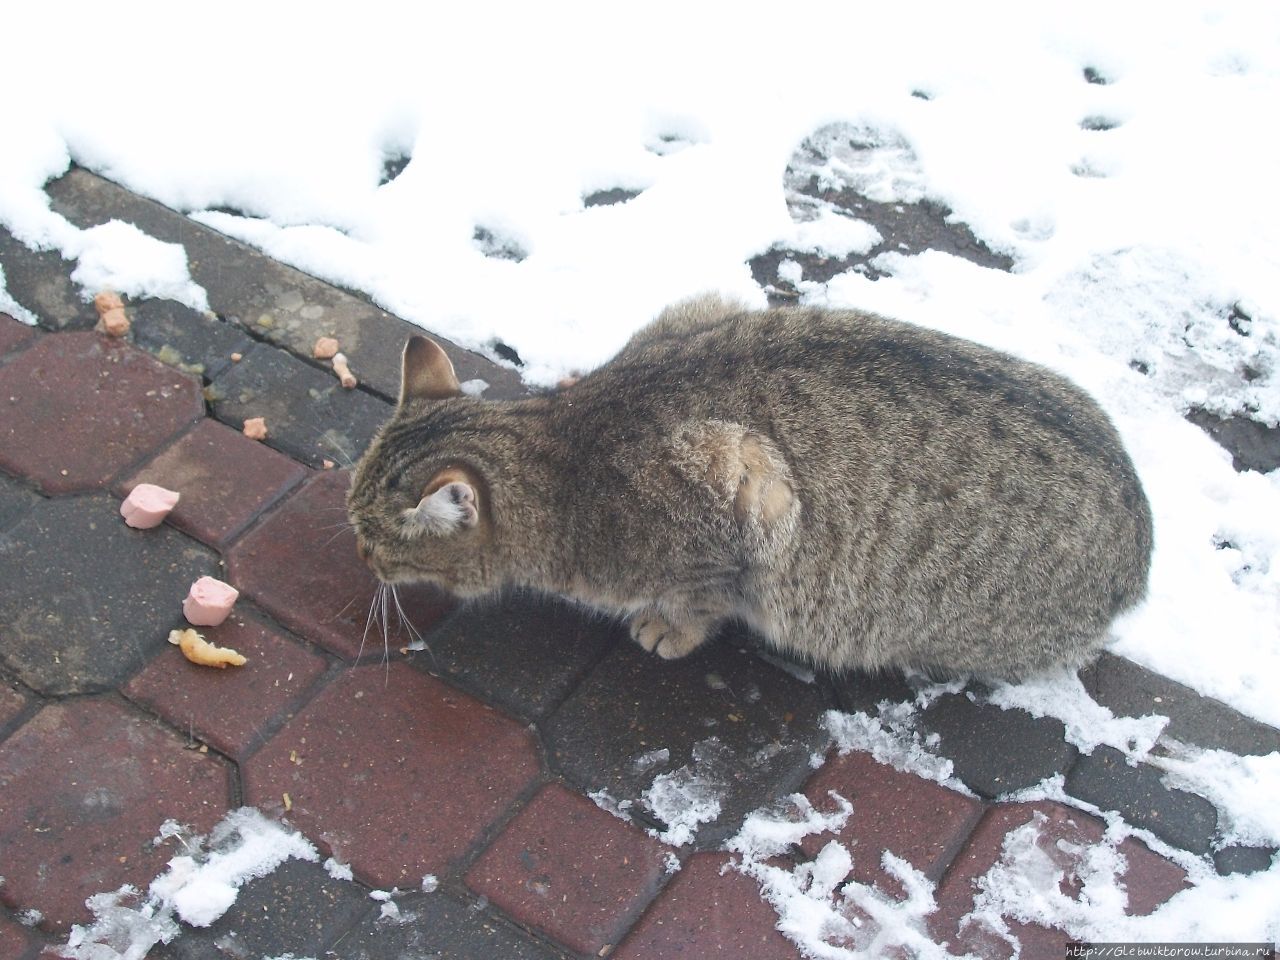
(368, 621)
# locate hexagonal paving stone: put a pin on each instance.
(523, 654)
(1106, 779)
(85, 599)
(397, 772)
(87, 784)
(435, 926)
(232, 709)
(179, 336)
(297, 910)
(720, 723)
(309, 415)
(79, 408)
(918, 820)
(565, 867)
(16, 501)
(225, 480)
(705, 912)
(996, 751)
(1149, 879)
(301, 565)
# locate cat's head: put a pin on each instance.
(419, 499)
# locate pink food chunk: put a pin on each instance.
(147, 505)
(209, 602)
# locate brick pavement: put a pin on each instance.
(469, 761)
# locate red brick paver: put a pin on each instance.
(13, 334)
(225, 480)
(571, 870)
(918, 820)
(708, 913)
(229, 709)
(86, 785)
(1150, 879)
(80, 407)
(396, 771)
(301, 565)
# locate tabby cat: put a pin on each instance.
(862, 492)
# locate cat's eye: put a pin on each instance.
(393, 481)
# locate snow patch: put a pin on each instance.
(197, 887)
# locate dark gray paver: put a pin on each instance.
(904, 228)
(523, 654)
(1105, 779)
(1130, 690)
(435, 926)
(182, 337)
(1252, 445)
(15, 502)
(996, 751)
(272, 301)
(298, 910)
(309, 415)
(856, 692)
(40, 280)
(80, 408)
(87, 784)
(722, 715)
(85, 599)
(1243, 859)
(12, 702)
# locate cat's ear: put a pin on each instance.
(447, 510)
(426, 373)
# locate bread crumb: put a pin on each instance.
(255, 428)
(199, 650)
(111, 316)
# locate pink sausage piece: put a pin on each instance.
(209, 602)
(147, 505)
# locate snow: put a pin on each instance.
(1141, 213)
(198, 886)
(1142, 216)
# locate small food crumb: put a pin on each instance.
(200, 651)
(327, 464)
(343, 371)
(325, 348)
(237, 357)
(111, 317)
(255, 428)
(209, 602)
(288, 802)
(147, 505)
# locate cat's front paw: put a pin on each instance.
(668, 641)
